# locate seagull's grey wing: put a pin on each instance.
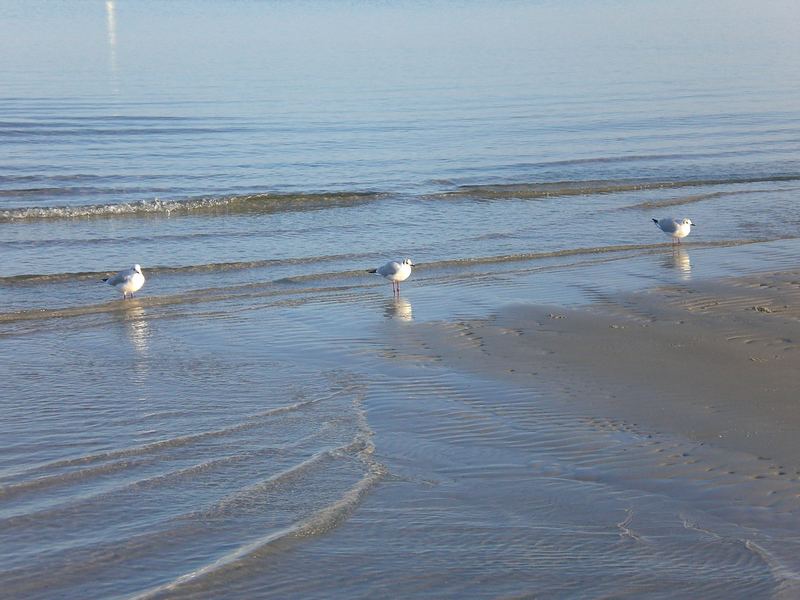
(668, 225)
(389, 268)
(119, 278)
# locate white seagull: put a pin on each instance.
(127, 281)
(395, 272)
(676, 228)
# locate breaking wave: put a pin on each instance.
(245, 203)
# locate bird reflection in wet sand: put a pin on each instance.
(133, 317)
(679, 260)
(400, 309)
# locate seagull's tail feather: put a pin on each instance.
(655, 221)
(372, 270)
(104, 280)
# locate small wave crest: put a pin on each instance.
(245, 203)
(530, 256)
(692, 199)
(46, 278)
(281, 202)
(590, 187)
(311, 282)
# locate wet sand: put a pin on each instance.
(715, 361)
(641, 446)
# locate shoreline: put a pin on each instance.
(514, 435)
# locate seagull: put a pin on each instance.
(395, 272)
(677, 228)
(127, 281)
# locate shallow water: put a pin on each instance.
(262, 412)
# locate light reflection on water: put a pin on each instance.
(400, 309)
(679, 260)
(111, 24)
(137, 328)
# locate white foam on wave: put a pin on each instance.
(124, 208)
(240, 203)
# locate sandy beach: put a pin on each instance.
(715, 361)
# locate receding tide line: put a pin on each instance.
(318, 523)
(253, 421)
(789, 580)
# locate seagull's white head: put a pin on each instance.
(407, 261)
(687, 222)
(137, 268)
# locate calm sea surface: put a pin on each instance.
(248, 425)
